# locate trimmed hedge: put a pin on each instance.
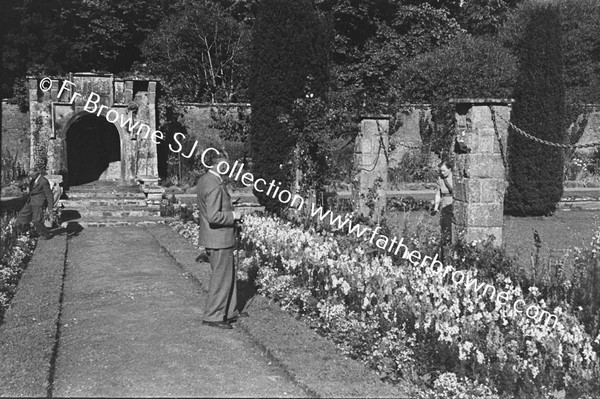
(536, 170)
(289, 61)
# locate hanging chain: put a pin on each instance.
(502, 151)
(381, 146)
(550, 143)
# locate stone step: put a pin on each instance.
(86, 203)
(112, 207)
(116, 222)
(94, 194)
(91, 188)
(100, 213)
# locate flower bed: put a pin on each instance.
(410, 324)
(15, 252)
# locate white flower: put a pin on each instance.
(345, 287)
(480, 357)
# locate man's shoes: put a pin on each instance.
(218, 324)
(240, 315)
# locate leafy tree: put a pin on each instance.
(321, 129)
(31, 38)
(580, 27)
(52, 37)
(467, 67)
(107, 34)
(241, 10)
(581, 32)
(373, 37)
(289, 61)
(484, 17)
(536, 170)
(201, 52)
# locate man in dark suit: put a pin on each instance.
(40, 195)
(217, 235)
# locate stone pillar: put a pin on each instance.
(40, 121)
(479, 172)
(371, 164)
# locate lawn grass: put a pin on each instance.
(559, 233)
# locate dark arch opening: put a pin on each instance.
(92, 143)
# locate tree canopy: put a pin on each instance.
(289, 61)
(201, 52)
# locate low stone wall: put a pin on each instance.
(15, 133)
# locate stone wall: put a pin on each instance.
(197, 122)
(15, 133)
(591, 133)
(409, 119)
(371, 164)
(197, 119)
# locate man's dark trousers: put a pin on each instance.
(40, 194)
(222, 291)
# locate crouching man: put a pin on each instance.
(40, 196)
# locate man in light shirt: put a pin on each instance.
(444, 199)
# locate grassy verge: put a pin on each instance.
(28, 334)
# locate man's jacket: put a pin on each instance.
(40, 193)
(216, 213)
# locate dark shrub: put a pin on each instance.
(536, 170)
(289, 61)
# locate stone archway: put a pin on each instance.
(93, 150)
(126, 105)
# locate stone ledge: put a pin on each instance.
(375, 116)
(481, 101)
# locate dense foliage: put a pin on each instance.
(15, 252)
(323, 131)
(289, 61)
(580, 28)
(201, 52)
(59, 36)
(535, 170)
(476, 67)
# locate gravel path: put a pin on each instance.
(131, 326)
